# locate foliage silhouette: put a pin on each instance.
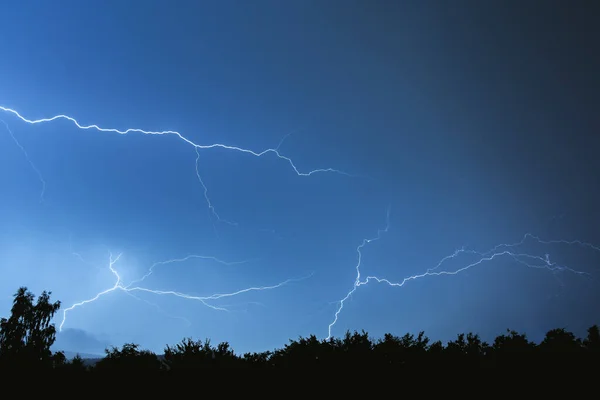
(129, 358)
(27, 335)
(592, 341)
(191, 354)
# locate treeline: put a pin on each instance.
(27, 335)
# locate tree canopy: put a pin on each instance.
(27, 335)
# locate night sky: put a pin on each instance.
(456, 125)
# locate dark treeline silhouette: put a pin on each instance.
(27, 336)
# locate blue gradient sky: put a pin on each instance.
(475, 122)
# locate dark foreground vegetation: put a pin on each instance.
(27, 336)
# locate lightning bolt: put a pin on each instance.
(78, 255)
(205, 192)
(111, 263)
(500, 250)
(189, 257)
(358, 263)
(159, 309)
(129, 289)
(180, 136)
(37, 171)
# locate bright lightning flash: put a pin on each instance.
(506, 250)
(196, 146)
(501, 250)
(129, 289)
(205, 300)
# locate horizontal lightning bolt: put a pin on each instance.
(196, 146)
(158, 308)
(274, 151)
(202, 299)
(528, 260)
(178, 260)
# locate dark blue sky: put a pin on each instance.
(476, 122)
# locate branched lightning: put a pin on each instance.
(37, 171)
(274, 151)
(177, 260)
(357, 280)
(97, 296)
(79, 256)
(129, 289)
(205, 300)
(159, 309)
(205, 192)
(503, 249)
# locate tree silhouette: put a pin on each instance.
(128, 358)
(27, 335)
(195, 354)
(254, 359)
(592, 341)
(512, 348)
(401, 351)
(76, 364)
(560, 341)
(469, 349)
(304, 351)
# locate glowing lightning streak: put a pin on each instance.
(37, 171)
(177, 260)
(79, 256)
(357, 280)
(156, 306)
(568, 242)
(203, 299)
(96, 297)
(197, 147)
(180, 136)
(210, 205)
(214, 296)
(521, 258)
(160, 310)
